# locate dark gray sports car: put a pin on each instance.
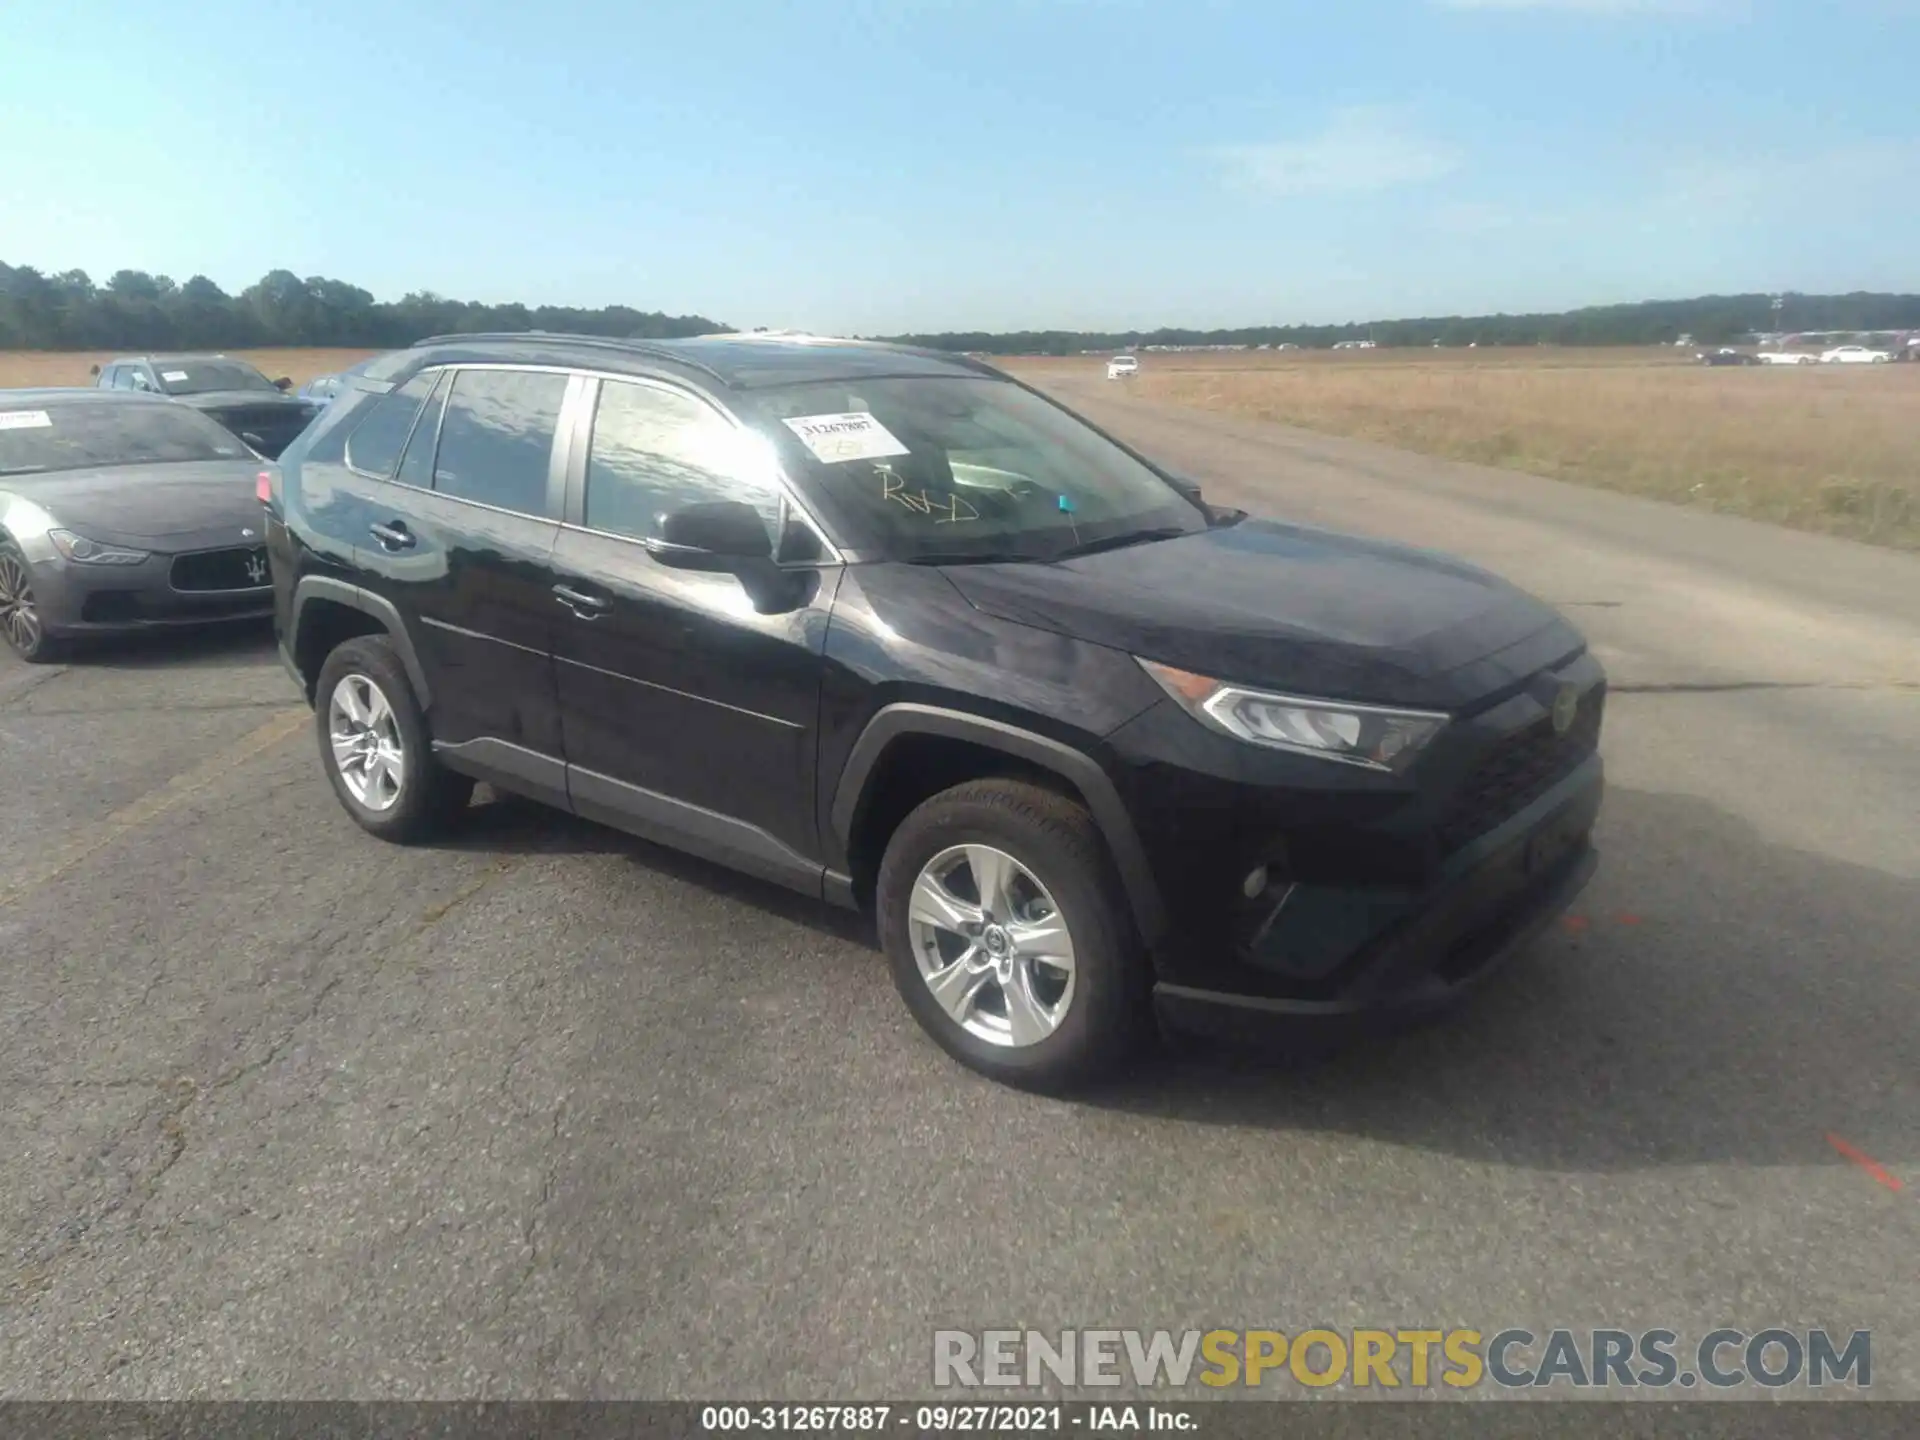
(120, 511)
(240, 397)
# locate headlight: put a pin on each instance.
(92, 552)
(1373, 736)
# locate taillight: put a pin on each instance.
(263, 487)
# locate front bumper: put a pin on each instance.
(1412, 955)
(76, 599)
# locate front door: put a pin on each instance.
(689, 705)
(459, 539)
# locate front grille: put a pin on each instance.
(1517, 771)
(241, 568)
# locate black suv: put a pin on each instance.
(220, 387)
(894, 629)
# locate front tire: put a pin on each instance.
(1010, 937)
(376, 749)
(20, 618)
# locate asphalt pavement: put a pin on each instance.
(545, 1111)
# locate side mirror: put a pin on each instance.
(283, 383)
(716, 535)
(94, 370)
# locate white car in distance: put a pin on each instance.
(1787, 357)
(1854, 355)
(1121, 366)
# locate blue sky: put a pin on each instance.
(866, 166)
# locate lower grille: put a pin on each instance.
(1517, 771)
(241, 568)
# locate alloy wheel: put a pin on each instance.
(18, 616)
(991, 945)
(367, 746)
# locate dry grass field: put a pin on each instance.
(70, 367)
(1834, 448)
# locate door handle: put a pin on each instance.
(393, 536)
(586, 606)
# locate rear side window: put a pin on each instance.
(496, 438)
(416, 468)
(375, 445)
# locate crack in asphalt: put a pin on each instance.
(177, 1098)
(28, 685)
(530, 1223)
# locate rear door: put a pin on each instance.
(459, 539)
(689, 705)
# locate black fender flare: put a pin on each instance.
(342, 592)
(1079, 770)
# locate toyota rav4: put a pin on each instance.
(895, 630)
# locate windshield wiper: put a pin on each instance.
(1116, 542)
(971, 557)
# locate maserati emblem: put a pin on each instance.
(245, 533)
(257, 573)
(1566, 704)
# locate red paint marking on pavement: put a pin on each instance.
(1865, 1162)
(1626, 917)
(1574, 924)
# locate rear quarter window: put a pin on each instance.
(375, 443)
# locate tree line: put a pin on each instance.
(134, 310)
(137, 311)
(1709, 319)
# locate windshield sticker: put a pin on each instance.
(834, 439)
(173, 377)
(25, 420)
(946, 511)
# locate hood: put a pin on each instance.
(242, 399)
(1290, 608)
(149, 505)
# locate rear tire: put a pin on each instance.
(1010, 936)
(376, 749)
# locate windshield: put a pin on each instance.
(96, 435)
(202, 377)
(961, 468)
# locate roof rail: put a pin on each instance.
(558, 337)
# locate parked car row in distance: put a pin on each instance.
(1839, 355)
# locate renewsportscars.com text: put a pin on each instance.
(1406, 1359)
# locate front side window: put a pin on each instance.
(496, 438)
(655, 451)
(375, 445)
(959, 468)
(203, 377)
(105, 433)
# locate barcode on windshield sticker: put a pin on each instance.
(173, 377)
(25, 420)
(853, 436)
